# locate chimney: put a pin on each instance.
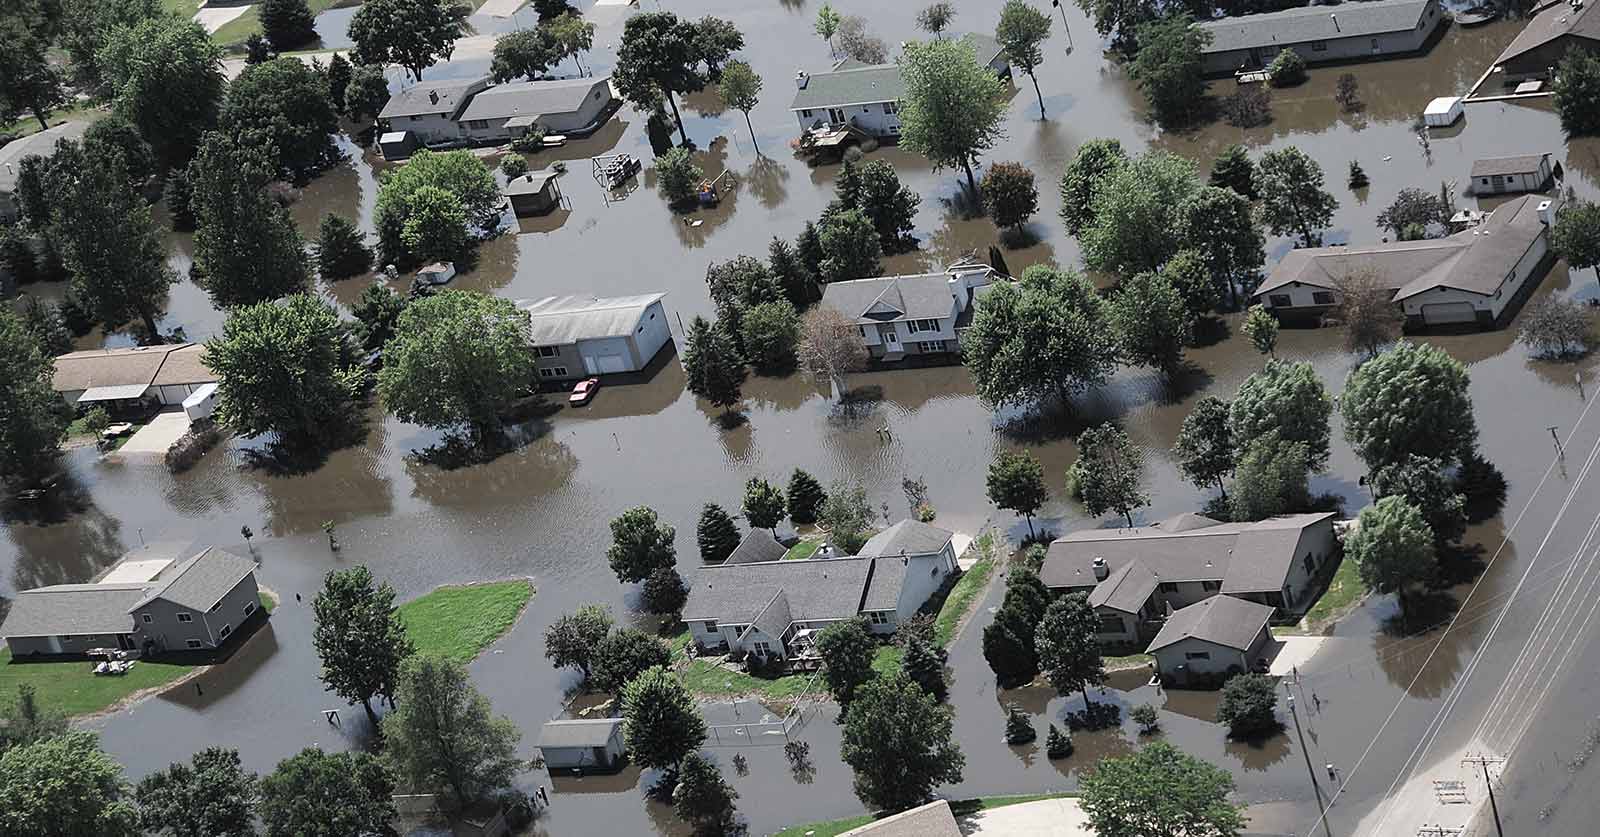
(529, 175)
(433, 97)
(1100, 569)
(1335, 19)
(800, 79)
(1547, 213)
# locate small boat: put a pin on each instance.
(1477, 16)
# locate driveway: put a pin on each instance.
(1045, 818)
(158, 435)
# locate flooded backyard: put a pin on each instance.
(543, 510)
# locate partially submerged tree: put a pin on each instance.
(165, 76)
(1021, 33)
(1576, 93)
(1135, 209)
(1233, 170)
(1261, 329)
(1109, 472)
(851, 246)
(703, 797)
(281, 110)
(1010, 641)
(1424, 483)
(712, 364)
(1576, 235)
(318, 794)
(845, 514)
(359, 639)
(377, 311)
(826, 24)
(952, 109)
(640, 544)
(875, 189)
(1392, 547)
(1160, 790)
(898, 741)
(678, 178)
(1272, 478)
(524, 54)
(415, 218)
(574, 638)
(1367, 309)
(1046, 336)
(1069, 651)
(625, 654)
(443, 737)
(830, 346)
(1413, 209)
(246, 247)
(1218, 226)
(658, 59)
(35, 417)
(661, 724)
(1249, 706)
(1288, 398)
(1168, 68)
(1292, 197)
(411, 33)
(763, 504)
(1016, 483)
(1153, 323)
(741, 90)
(1410, 400)
(1206, 452)
(342, 250)
(1009, 195)
(804, 498)
(1557, 328)
(1287, 69)
(1095, 160)
(64, 785)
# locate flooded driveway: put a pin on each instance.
(543, 511)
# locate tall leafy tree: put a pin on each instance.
(64, 785)
(936, 17)
(211, 797)
(246, 246)
(1576, 235)
(1047, 336)
(1121, 20)
(1069, 651)
(457, 359)
(1249, 705)
(1022, 32)
(1135, 212)
(33, 419)
(898, 740)
(25, 720)
(1160, 791)
(826, 24)
(850, 246)
(830, 345)
(87, 25)
(317, 794)
(952, 110)
(1189, 275)
(1371, 319)
(377, 311)
(1009, 195)
(716, 534)
(112, 134)
(1109, 472)
(443, 736)
(342, 249)
(804, 498)
(1168, 68)
(358, 637)
(847, 650)
(29, 82)
(283, 105)
(574, 638)
(640, 544)
(1016, 482)
(770, 332)
(1292, 197)
(712, 364)
(1206, 451)
(1219, 226)
(660, 722)
(572, 36)
(411, 33)
(627, 653)
(406, 213)
(288, 24)
(165, 76)
(523, 54)
(658, 59)
(741, 90)
(1234, 170)
(1261, 329)
(1152, 321)
(763, 504)
(875, 189)
(367, 92)
(1423, 482)
(1289, 398)
(1271, 478)
(1411, 400)
(703, 797)
(1095, 160)
(1393, 547)
(1576, 93)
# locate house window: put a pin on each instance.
(763, 649)
(928, 346)
(1110, 623)
(878, 617)
(249, 608)
(891, 108)
(1169, 586)
(1211, 586)
(561, 371)
(549, 351)
(890, 336)
(926, 325)
(913, 326)
(805, 114)
(147, 618)
(192, 643)
(66, 640)
(223, 634)
(1322, 297)
(1311, 563)
(184, 617)
(710, 626)
(1197, 655)
(478, 123)
(1319, 46)
(1280, 300)
(1374, 44)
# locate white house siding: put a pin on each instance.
(1316, 542)
(552, 123)
(650, 335)
(872, 335)
(172, 395)
(1320, 52)
(428, 127)
(1181, 594)
(1489, 308)
(606, 355)
(924, 575)
(872, 118)
(1219, 659)
(1300, 296)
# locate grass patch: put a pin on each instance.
(1127, 661)
(83, 112)
(801, 551)
(961, 807)
(1344, 591)
(267, 602)
(888, 659)
(72, 689)
(706, 680)
(965, 592)
(459, 622)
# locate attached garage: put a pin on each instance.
(1449, 313)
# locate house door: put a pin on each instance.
(125, 642)
(836, 115)
(891, 340)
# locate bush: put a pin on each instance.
(1249, 706)
(1287, 69)
(530, 142)
(1557, 329)
(514, 166)
(1019, 729)
(187, 451)
(1358, 176)
(926, 513)
(1248, 107)
(1057, 745)
(677, 177)
(1096, 716)
(1146, 717)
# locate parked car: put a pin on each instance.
(583, 392)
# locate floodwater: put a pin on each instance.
(542, 511)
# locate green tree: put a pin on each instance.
(165, 76)
(1094, 162)
(35, 420)
(377, 311)
(1016, 483)
(285, 367)
(246, 246)
(1290, 399)
(1121, 19)
(288, 24)
(1146, 717)
(847, 650)
(1009, 195)
(804, 498)
(403, 193)
(342, 250)
(24, 721)
(1206, 451)
(1219, 226)
(1019, 728)
(1069, 651)
(442, 736)
(1271, 479)
(850, 246)
(1233, 170)
(741, 90)
(1287, 69)
(86, 27)
(574, 638)
(1047, 336)
(48, 327)
(339, 74)
(1249, 706)
(658, 59)
(435, 229)
(1413, 207)
(845, 514)
(664, 591)
(808, 248)
(1292, 197)
(457, 359)
(283, 105)
(29, 82)
(1168, 68)
(736, 286)
(1152, 322)
(112, 134)
(677, 176)
(898, 741)
(660, 722)
(257, 50)
(625, 654)
(703, 798)
(763, 504)
(1422, 481)
(924, 664)
(1261, 329)
(411, 33)
(875, 189)
(716, 534)
(1022, 32)
(178, 193)
(1058, 745)
(1109, 472)
(640, 544)
(1135, 212)
(523, 54)
(799, 284)
(1576, 93)
(1392, 547)
(771, 332)
(571, 35)
(712, 364)
(826, 24)
(214, 797)
(317, 794)
(1576, 235)
(367, 92)
(64, 785)
(1160, 791)
(1483, 486)
(1010, 641)
(952, 110)
(1413, 399)
(358, 637)
(1555, 328)
(1189, 275)
(936, 18)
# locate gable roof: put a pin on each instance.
(531, 183)
(414, 100)
(1126, 590)
(851, 85)
(1312, 23)
(909, 537)
(757, 545)
(141, 366)
(183, 365)
(1554, 21)
(578, 732)
(531, 98)
(72, 609)
(814, 589)
(984, 47)
(1520, 164)
(888, 298)
(1489, 252)
(559, 320)
(1222, 620)
(773, 620)
(884, 583)
(40, 144)
(201, 581)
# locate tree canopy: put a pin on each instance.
(1219, 226)
(847, 650)
(318, 794)
(1168, 68)
(1009, 195)
(1270, 479)
(288, 24)
(1234, 170)
(804, 498)
(1046, 336)
(1249, 706)
(1576, 93)
(523, 54)
(442, 736)
(1423, 482)
(212, 795)
(1206, 451)
(1152, 321)
(1292, 197)
(659, 58)
(1068, 646)
(573, 639)
(1392, 546)
(1576, 235)
(1109, 472)
(625, 654)
(952, 109)
(1159, 791)
(850, 246)
(407, 210)
(875, 189)
(1021, 33)
(1135, 212)
(898, 740)
(703, 797)
(411, 33)
(33, 418)
(763, 504)
(846, 513)
(660, 722)
(246, 246)
(165, 76)
(1016, 482)
(712, 365)
(1095, 161)
(1010, 641)
(741, 90)
(64, 785)
(1288, 398)
(640, 544)
(358, 637)
(282, 108)
(1413, 399)
(716, 535)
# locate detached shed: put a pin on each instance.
(1502, 175)
(1443, 111)
(582, 744)
(534, 193)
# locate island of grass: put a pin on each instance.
(459, 621)
(71, 688)
(959, 807)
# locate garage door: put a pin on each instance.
(1449, 312)
(605, 364)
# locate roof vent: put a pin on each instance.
(433, 97)
(1100, 569)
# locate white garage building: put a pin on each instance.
(580, 336)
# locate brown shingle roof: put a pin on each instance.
(183, 366)
(147, 365)
(1553, 21)
(1223, 620)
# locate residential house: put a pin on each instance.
(133, 377)
(1553, 29)
(912, 315)
(1480, 275)
(40, 144)
(572, 107)
(428, 110)
(534, 193)
(934, 819)
(989, 53)
(1135, 577)
(757, 546)
(1320, 34)
(194, 604)
(1210, 639)
(578, 336)
(867, 96)
(774, 609)
(1502, 175)
(582, 744)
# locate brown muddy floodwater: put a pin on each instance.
(543, 510)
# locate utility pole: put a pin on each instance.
(1062, 9)
(1559, 449)
(1483, 762)
(1315, 788)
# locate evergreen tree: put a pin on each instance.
(805, 498)
(716, 534)
(1008, 642)
(798, 282)
(1234, 170)
(179, 196)
(339, 74)
(288, 24)
(712, 365)
(808, 248)
(925, 668)
(1019, 728)
(342, 251)
(1057, 745)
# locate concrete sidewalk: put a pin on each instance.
(213, 19)
(1045, 818)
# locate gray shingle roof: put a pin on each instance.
(889, 298)
(201, 581)
(851, 86)
(910, 537)
(414, 100)
(72, 609)
(984, 47)
(1520, 164)
(41, 144)
(560, 320)
(531, 98)
(816, 589)
(1223, 620)
(531, 183)
(883, 588)
(1312, 23)
(934, 819)
(758, 545)
(578, 732)
(1126, 590)
(774, 619)
(1553, 21)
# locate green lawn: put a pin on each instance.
(801, 550)
(459, 622)
(967, 589)
(960, 807)
(72, 689)
(1343, 592)
(1127, 661)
